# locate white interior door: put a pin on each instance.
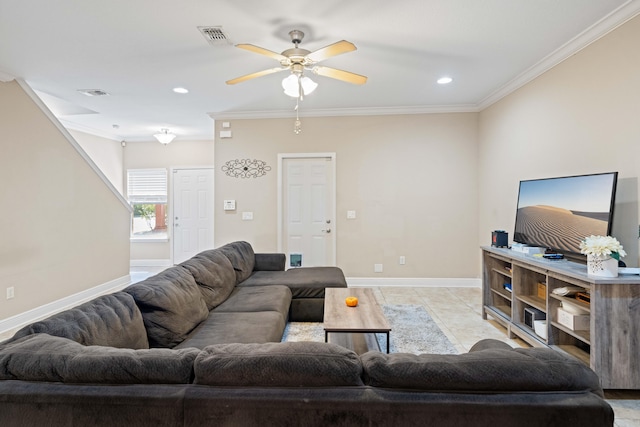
(307, 209)
(192, 211)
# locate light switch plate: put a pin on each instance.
(247, 216)
(351, 214)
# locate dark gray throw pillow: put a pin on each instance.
(291, 364)
(171, 305)
(42, 357)
(111, 320)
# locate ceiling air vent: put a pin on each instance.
(93, 92)
(214, 35)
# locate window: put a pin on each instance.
(147, 193)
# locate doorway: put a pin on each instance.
(192, 212)
(307, 209)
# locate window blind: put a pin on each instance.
(147, 185)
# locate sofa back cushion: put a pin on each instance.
(242, 258)
(214, 274)
(290, 364)
(111, 320)
(171, 305)
(42, 357)
(491, 370)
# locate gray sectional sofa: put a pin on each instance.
(198, 345)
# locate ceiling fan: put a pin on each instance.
(298, 60)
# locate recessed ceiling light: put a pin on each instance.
(180, 90)
(444, 80)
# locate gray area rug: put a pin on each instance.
(412, 331)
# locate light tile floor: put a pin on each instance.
(458, 312)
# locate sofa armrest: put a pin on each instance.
(270, 262)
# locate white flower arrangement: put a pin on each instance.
(602, 246)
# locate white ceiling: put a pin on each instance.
(138, 50)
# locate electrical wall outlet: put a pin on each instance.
(377, 268)
(403, 260)
(10, 292)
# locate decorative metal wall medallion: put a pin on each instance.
(246, 168)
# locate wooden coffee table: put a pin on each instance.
(366, 317)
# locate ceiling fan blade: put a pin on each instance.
(334, 49)
(262, 51)
(345, 76)
(254, 75)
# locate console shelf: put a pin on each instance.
(612, 343)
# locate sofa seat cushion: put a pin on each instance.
(248, 327)
(111, 320)
(492, 370)
(305, 282)
(261, 298)
(42, 357)
(242, 258)
(292, 364)
(171, 304)
(214, 274)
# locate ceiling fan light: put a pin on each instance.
(164, 137)
(291, 86)
(308, 85)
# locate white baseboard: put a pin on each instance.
(33, 315)
(417, 282)
(150, 263)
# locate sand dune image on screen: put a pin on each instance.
(559, 228)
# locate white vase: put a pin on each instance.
(602, 266)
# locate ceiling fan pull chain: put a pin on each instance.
(300, 91)
(297, 125)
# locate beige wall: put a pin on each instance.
(152, 154)
(411, 180)
(63, 231)
(580, 117)
(105, 153)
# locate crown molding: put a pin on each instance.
(598, 30)
(342, 112)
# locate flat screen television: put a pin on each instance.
(558, 213)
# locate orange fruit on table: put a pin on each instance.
(351, 301)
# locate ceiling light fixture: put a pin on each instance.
(164, 137)
(296, 85)
(180, 90)
(444, 80)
